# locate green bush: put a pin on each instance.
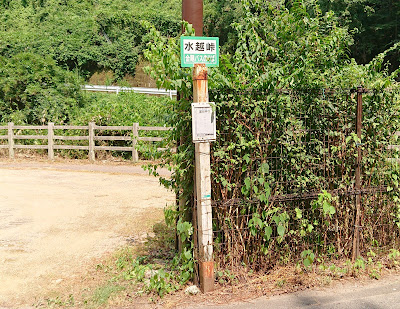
(85, 35)
(124, 108)
(33, 90)
(285, 126)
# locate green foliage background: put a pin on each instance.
(89, 36)
(49, 48)
(374, 24)
(124, 108)
(84, 35)
(33, 89)
(304, 51)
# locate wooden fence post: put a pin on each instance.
(11, 140)
(92, 155)
(135, 135)
(50, 141)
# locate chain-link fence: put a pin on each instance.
(298, 174)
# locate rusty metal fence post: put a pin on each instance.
(356, 237)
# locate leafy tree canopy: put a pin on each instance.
(374, 24)
(45, 45)
(87, 35)
(33, 89)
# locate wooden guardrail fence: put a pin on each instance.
(91, 137)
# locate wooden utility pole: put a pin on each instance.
(203, 189)
(192, 12)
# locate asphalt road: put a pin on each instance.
(379, 294)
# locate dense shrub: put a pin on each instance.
(33, 89)
(84, 35)
(124, 108)
(285, 125)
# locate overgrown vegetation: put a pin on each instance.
(374, 25)
(49, 48)
(143, 273)
(46, 40)
(33, 89)
(124, 108)
(84, 35)
(286, 116)
(286, 128)
(145, 270)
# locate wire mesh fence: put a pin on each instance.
(284, 175)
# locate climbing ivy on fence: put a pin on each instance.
(283, 163)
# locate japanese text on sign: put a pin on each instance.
(191, 46)
(197, 50)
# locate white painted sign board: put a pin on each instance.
(203, 122)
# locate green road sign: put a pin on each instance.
(199, 50)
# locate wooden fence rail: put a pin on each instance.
(51, 138)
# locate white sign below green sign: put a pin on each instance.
(203, 122)
(199, 50)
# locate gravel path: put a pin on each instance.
(56, 217)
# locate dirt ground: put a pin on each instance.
(55, 218)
